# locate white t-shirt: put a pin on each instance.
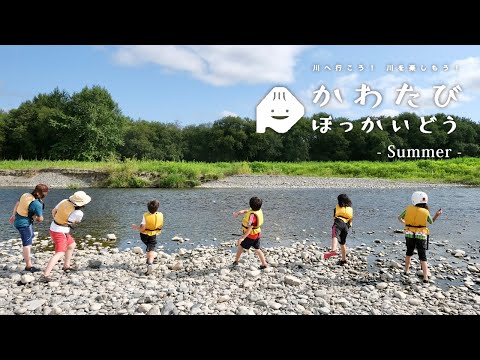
(143, 221)
(75, 217)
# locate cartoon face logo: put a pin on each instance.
(279, 110)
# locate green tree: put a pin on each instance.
(229, 139)
(92, 129)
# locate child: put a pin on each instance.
(149, 228)
(251, 223)
(67, 213)
(415, 217)
(29, 207)
(342, 221)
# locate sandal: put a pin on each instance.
(32, 269)
(45, 279)
(329, 254)
(70, 269)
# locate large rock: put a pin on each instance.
(27, 278)
(34, 304)
(414, 301)
(137, 250)
(178, 265)
(94, 264)
(253, 273)
(111, 237)
(458, 253)
(382, 285)
(420, 273)
(169, 308)
(292, 280)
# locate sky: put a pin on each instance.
(203, 83)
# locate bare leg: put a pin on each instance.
(150, 257)
(239, 253)
(424, 269)
(343, 249)
(334, 243)
(26, 256)
(68, 255)
(407, 263)
(52, 263)
(261, 256)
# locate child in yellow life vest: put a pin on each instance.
(342, 221)
(415, 217)
(66, 214)
(26, 210)
(149, 228)
(251, 223)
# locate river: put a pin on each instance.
(204, 216)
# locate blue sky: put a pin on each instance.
(201, 83)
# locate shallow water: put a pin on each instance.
(204, 216)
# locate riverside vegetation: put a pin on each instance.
(170, 174)
(87, 130)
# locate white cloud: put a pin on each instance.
(226, 113)
(219, 64)
(386, 112)
(467, 75)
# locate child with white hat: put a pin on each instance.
(67, 213)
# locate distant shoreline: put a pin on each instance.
(76, 179)
(296, 182)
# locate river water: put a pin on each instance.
(204, 216)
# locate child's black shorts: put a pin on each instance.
(150, 241)
(248, 243)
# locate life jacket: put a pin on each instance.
(153, 223)
(416, 219)
(63, 213)
(344, 213)
(256, 229)
(25, 201)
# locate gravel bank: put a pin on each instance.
(280, 181)
(74, 178)
(61, 178)
(202, 281)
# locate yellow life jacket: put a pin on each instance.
(25, 201)
(344, 213)
(416, 219)
(153, 223)
(63, 213)
(255, 229)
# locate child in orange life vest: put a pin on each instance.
(415, 217)
(342, 221)
(251, 222)
(149, 228)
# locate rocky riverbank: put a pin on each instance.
(54, 178)
(202, 281)
(281, 181)
(79, 179)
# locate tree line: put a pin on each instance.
(89, 125)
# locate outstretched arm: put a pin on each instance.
(236, 213)
(12, 218)
(437, 214)
(138, 228)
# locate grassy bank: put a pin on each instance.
(137, 173)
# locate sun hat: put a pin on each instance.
(419, 197)
(80, 198)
